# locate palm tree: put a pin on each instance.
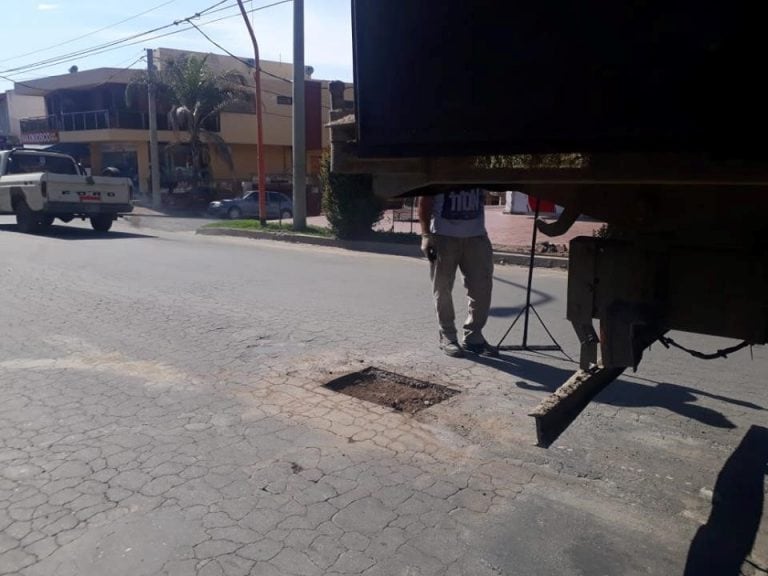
(194, 96)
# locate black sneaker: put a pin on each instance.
(482, 349)
(452, 349)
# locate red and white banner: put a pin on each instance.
(520, 203)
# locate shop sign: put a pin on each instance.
(47, 137)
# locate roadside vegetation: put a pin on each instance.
(270, 227)
(349, 203)
(351, 208)
(194, 95)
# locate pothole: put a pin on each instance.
(392, 390)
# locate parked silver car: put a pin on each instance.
(247, 206)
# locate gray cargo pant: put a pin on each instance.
(474, 257)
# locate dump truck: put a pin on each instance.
(647, 116)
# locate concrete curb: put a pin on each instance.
(539, 260)
(391, 248)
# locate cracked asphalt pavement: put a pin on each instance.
(162, 411)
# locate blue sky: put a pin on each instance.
(34, 25)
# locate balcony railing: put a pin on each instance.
(100, 120)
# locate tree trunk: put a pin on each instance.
(194, 148)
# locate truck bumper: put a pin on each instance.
(82, 208)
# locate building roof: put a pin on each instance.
(222, 62)
(75, 81)
(85, 79)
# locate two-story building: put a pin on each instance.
(14, 107)
(86, 114)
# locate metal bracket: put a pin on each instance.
(589, 341)
(560, 226)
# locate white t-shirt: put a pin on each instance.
(459, 213)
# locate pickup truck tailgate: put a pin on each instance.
(101, 191)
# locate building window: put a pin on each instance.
(285, 100)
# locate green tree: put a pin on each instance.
(349, 203)
(194, 96)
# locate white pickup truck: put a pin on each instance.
(40, 186)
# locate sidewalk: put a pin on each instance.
(506, 231)
(510, 235)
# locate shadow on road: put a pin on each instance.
(75, 233)
(538, 298)
(722, 545)
(543, 377)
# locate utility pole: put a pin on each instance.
(154, 156)
(259, 126)
(299, 121)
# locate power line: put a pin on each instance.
(121, 69)
(105, 47)
(238, 58)
(120, 66)
(140, 38)
(212, 41)
(75, 39)
(55, 61)
(119, 43)
(126, 41)
(164, 35)
(277, 77)
(142, 56)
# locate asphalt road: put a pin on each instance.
(162, 411)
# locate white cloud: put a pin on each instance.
(47, 7)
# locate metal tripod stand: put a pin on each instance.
(528, 308)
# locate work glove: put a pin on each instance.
(429, 247)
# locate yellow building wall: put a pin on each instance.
(114, 135)
(277, 161)
(242, 129)
(277, 118)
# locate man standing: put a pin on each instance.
(453, 236)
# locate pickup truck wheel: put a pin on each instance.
(286, 214)
(234, 213)
(46, 222)
(27, 221)
(101, 223)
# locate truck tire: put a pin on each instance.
(235, 213)
(27, 221)
(101, 222)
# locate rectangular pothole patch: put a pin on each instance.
(392, 390)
